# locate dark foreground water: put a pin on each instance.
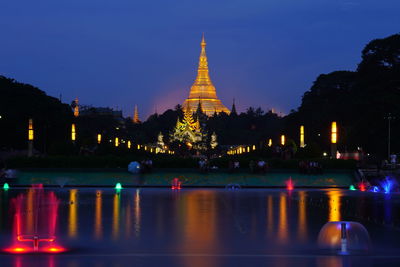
(198, 227)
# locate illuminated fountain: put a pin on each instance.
(344, 237)
(176, 184)
(35, 221)
(388, 185)
(289, 184)
(362, 186)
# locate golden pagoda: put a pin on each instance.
(136, 119)
(202, 90)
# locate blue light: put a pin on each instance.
(375, 189)
(387, 185)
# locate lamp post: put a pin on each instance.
(334, 137)
(30, 138)
(302, 136)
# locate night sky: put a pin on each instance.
(120, 53)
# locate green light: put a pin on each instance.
(352, 187)
(118, 186)
(6, 186)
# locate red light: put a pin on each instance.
(176, 184)
(289, 184)
(362, 186)
(17, 250)
(54, 249)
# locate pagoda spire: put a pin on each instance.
(136, 119)
(76, 107)
(233, 110)
(203, 89)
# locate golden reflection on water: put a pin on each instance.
(116, 215)
(137, 213)
(283, 224)
(73, 213)
(199, 225)
(334, 205)
(302, 220)
(98, 233)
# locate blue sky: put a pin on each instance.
(123, 52)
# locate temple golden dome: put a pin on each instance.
(203, 90)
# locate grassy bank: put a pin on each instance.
(160, 161)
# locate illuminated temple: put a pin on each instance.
(202, 90)
(187, 130)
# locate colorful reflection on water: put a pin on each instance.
(35, 215)
(190, 220)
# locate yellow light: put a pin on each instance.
(270, 142)
(73, 132)
(145, 147)
(334, 133)
(98, 138)
(248, 149)
(129, 144)
(30, 130)
(254, 147)
(151, 150)
(282, 139)
(116, 142)
(302, 136)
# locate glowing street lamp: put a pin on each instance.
(73, 132)
(334, 138)
(334, 133)
(98, 138)
(302, 136)
(283, 139)
(270, 142)
(116, 142)
(129, 144)
(30, 138)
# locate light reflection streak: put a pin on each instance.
(73, 213)
(283, 224)
(334, 205)
(116, 215)
(98, 233)
(199, 226)
(302, 225)
(137, 213)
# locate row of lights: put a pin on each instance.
(242, 149)
(117, 141)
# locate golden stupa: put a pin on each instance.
(202, 90)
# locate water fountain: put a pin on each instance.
(6, 186)
(176, 184)
(388, 185)
(35, 222)
(289, 184)
(118, 186)
(344, 237)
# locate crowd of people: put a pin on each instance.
(310, 167)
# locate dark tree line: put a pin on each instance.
(359, 101)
